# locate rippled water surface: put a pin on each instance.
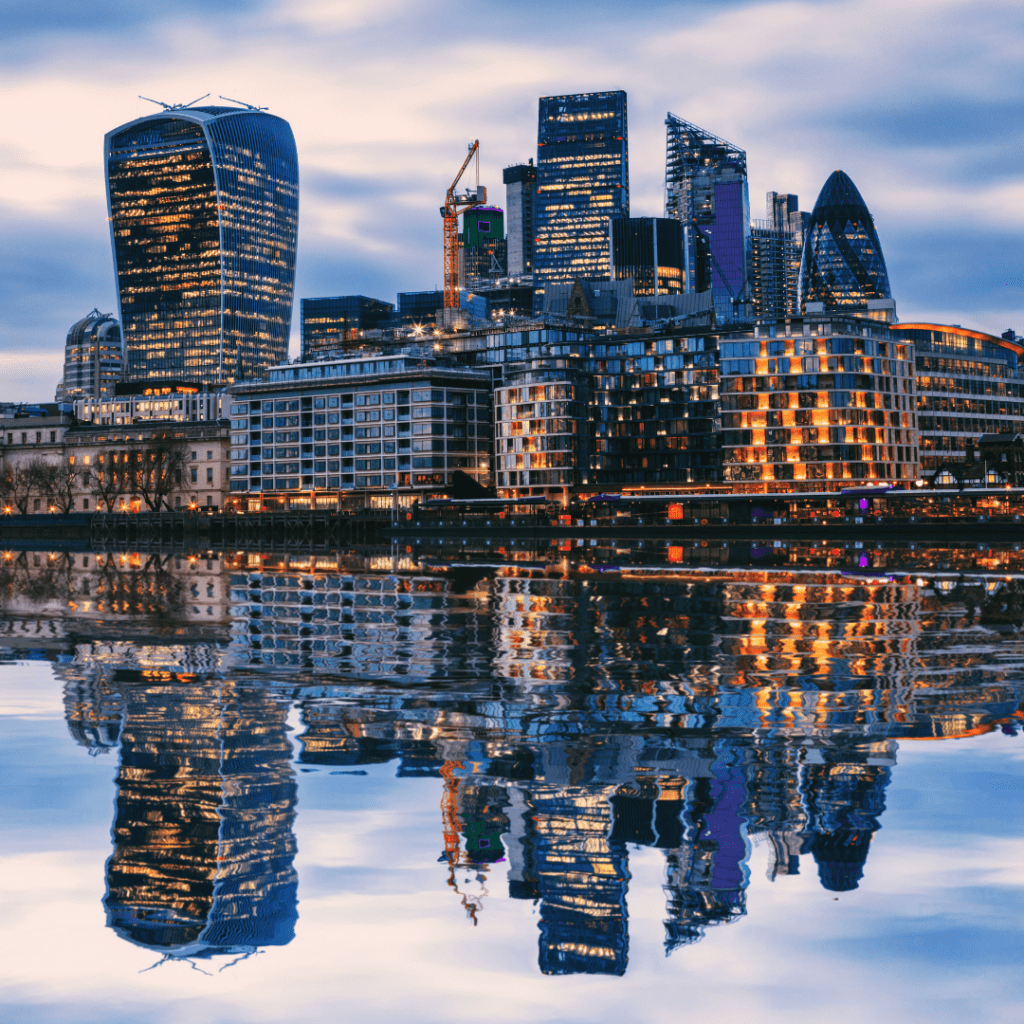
(542, 781)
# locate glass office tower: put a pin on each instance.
(706, 191)
(582, 182)
(203, 205)
(842, 265)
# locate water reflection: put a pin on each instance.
(202, 831)
(572, 708)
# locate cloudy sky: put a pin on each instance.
(919, 101)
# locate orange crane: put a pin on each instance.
(454, 204)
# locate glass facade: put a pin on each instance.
(650, 251)
(93, 358)
(842, 265)
(419, 308)
(654, 412)
(203, 206)
(360, 424)
(582, 182)
(329, 322)
(818, 401)
(706, 191)
(483, 253)
(968, 384)
(541, 430)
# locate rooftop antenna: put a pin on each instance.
(172, 106)
(248, 106)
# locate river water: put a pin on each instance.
(573, 780)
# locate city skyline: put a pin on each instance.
(916, 162)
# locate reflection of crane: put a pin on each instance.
(452, 827)
(455, 204)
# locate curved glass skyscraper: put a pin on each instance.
(203, 205)
(842, 265)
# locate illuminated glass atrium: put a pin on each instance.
(582, 182)
(706, 191)
(203, 205)
(842, 265)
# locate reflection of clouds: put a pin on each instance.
(371, 900)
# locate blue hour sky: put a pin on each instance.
(921, 102)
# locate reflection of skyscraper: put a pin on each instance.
(706, 191)
(582, 181)
(203, 841)
(580, 875)
(845, 799)
(707, 875)
(203, 206)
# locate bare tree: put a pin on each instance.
(157, 467)
(15, 488)
(111, 477)
(22, 482)
(55, 482)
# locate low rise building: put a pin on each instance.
(63, 466)
(371, 425)
(33, 476)
(968, 384)
(143, 401)
(150, 467)
(827, 398)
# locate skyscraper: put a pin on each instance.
(203, 206)
(582, 182)
(706, 191)
(520, 191)
(776, 244)
(92, 358)
(842, 266)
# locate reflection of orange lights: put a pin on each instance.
(675, 554)
(675, 511)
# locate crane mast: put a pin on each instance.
(454, 204)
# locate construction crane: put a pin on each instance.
(454, 204)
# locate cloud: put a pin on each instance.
(912, 100)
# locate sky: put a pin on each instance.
(921, 102)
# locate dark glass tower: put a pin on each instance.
(582, 182)
(650, 251)
(706, 191)
(203, 205)
(842, 264)
(331, 325)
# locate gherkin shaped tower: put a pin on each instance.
(842, 264)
